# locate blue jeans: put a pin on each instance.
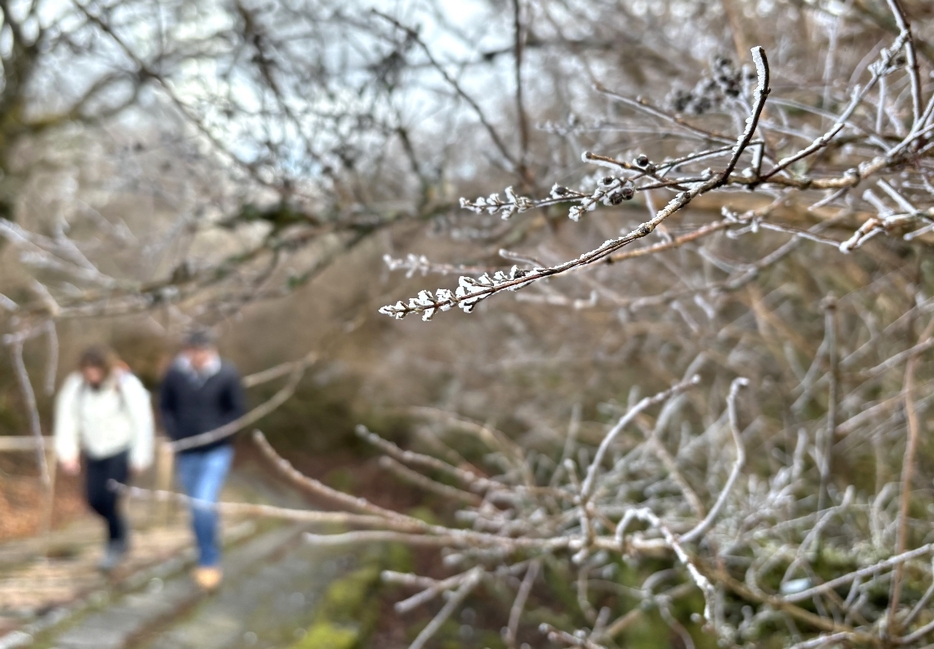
(202, 474)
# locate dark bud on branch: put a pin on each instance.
(624, 193)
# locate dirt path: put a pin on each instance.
(269, 604)
(272, 581)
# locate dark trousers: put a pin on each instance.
(102, 499)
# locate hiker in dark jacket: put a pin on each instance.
(201, 393)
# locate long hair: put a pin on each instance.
(100, 357)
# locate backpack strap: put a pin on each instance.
(118, 384)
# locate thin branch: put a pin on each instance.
(456, 599)
(908, 466)
(29, 396)
(427, 484)
(432, 587)
(471, 291)
(874, 569)
(738, 465)
(451, 81)
(249, 509)
(825, 445)
(914, 74)
(519, 49)
(589, 483)
(515, 613)
(760, 94)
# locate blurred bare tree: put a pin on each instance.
(820, 537)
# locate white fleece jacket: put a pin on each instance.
(104, 422)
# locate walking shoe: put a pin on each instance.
(208, 577)
(113, 555)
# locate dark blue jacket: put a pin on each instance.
(190, 406)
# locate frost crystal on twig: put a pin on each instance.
(470, 291)
(493, 204)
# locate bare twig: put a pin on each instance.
(456, 599)
(589, 483)
(908, 466)
(914, 75)
(29, 395)
(515, 613)
(825, 441)
(708, 521)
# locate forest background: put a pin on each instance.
(749, 186)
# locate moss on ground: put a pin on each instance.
(350, 593)
(327, 634)
(349, 608)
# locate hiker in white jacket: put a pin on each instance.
(104, 413)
